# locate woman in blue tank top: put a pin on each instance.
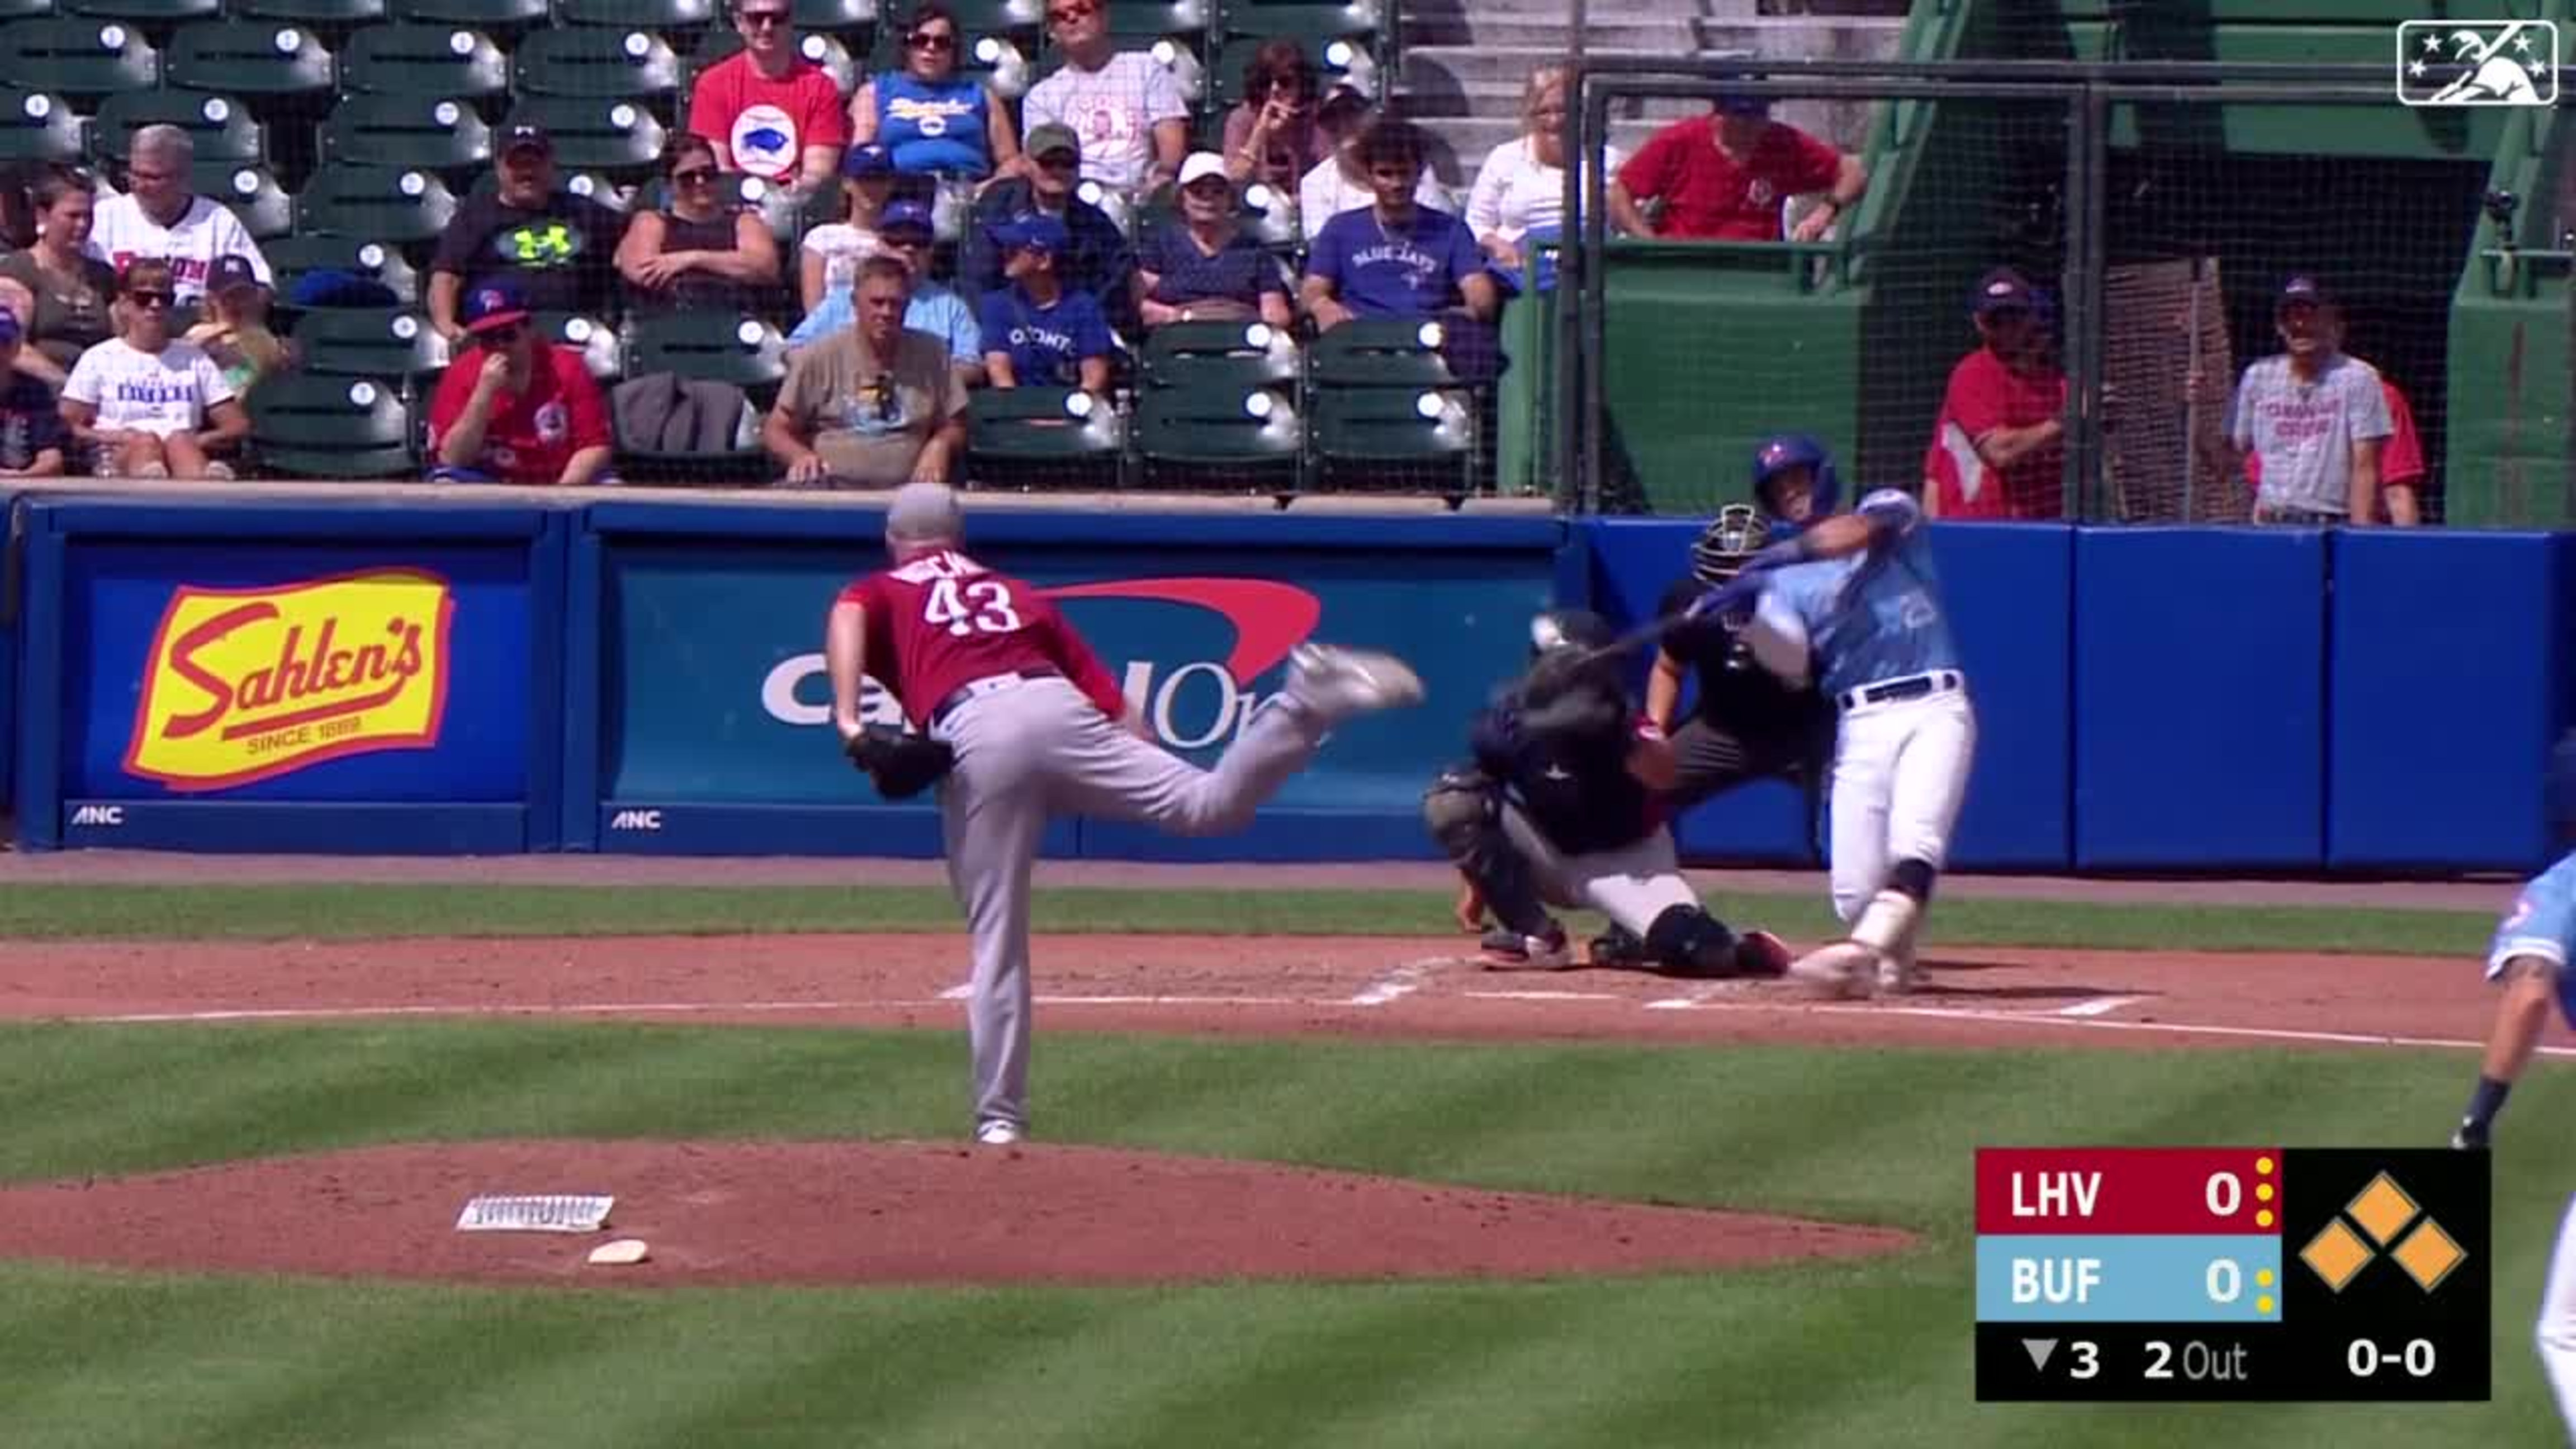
(934, 121)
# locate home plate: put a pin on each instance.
(621, 1253)
(536, 1213)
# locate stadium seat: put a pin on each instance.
(1381, 437)
(1338, 59)
(297, 253)
(25, 10)
(978, 17)
(142, 12)
(369, 342)
(1049, 434)
(77, 59)
(442, 61)
(1230, 436)
(1300, 18)
(744, 351)
(1380, 352)
(576, 61)
(337, 16)
(395, 205)
(319, 425)
(35, 126)
(827, 51)
(594, 339)
(621, 139)
(248, 58)
(640, 14)
(250, 191)
(221, 126)
(1147, 20)
(1239, 355)
(445, 136)
(839, 17)
(501, 19)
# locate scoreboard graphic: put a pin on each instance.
(2232, 1273)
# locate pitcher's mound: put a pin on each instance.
(844, 1212)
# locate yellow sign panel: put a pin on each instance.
(245, 684)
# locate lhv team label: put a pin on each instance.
(2231, 1273)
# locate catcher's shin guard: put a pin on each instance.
(1463, 810)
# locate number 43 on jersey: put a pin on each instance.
(977, 606)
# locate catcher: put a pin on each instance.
(1562, 807)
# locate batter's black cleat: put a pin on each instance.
(1759, 953)
(1505, 947)
(1617, 947)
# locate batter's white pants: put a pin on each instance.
(2557, 1331)
(1900, 772)
(1631, 885)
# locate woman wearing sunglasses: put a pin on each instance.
(701, 252)
(1272, 137)
(932, 120)
(149, 405)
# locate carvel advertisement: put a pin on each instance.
(714, 695)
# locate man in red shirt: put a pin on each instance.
(1999, 446)
(1723, 176)
(984, 662)
(769, 111)
(513, 408)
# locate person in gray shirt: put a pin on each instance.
(2315, 417)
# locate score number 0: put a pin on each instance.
(2365, 1358)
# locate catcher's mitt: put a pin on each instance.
(902, 765)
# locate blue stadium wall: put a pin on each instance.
(385, 674)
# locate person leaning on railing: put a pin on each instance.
(871, 404)
(1724, 176)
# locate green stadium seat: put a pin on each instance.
(78, 59)
(827, 51)
(1074, 437)
(744, 351)
(25, 10)
(142, 12)
(445, 136)
(222, 126)
(395, 205)
(369, 342)
(299, 252)
(575, 61)
(250, 191)
(834, 17)
(1338, 60)
(977, 17)
(442, 61)
(1239, 355)
(1144, 20)
(1229, 436)
(593, 338)
(1301, 18)
(1381, 437)
(619, 138)
(338, 16)
(35, 126)
(318, 425)
(641, 14)
(1379, 352)
(249, 58)
(498, 18)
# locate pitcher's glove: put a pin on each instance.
(902, 764)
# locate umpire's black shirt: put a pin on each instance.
(1736, 694)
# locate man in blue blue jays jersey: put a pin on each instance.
(1852, 601)
(2529, 957)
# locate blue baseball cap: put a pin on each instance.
(10, 331)
(1035, 231)
(907, 216)
(868, 160)
(497, 302)
(1736, 104)
(2303, 289)
(2004, 290)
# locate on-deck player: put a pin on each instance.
(982, 662)
(2530, 957)
(1854, 600)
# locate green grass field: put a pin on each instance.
(1866, 1354)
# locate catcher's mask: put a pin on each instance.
(1718, 554)
(1777, 455)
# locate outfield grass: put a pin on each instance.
(1864, 1354)
(375, 912)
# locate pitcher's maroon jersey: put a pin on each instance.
(943, 621)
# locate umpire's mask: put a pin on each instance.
(1718, 554)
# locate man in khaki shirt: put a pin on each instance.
(874, 404)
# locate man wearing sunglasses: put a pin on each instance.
(513, 407)
(151, 406)
(1096, 260)
(769, 111)
(558, 248)
(1124, 104)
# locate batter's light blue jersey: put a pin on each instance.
(1876, 615)
(2542, 923)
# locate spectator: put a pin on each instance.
(933, 120)
(1272, 136)
(150, 405)
(1340, 183)
(828, 258)
(1396, 258)
(2402, 474)
(556, 247)
(235, 331)
(907, 237)
(768, 111)
(162, 218)
(513, 407)
(2314, 416)
(1203, 266)
(1036, 333)
(1998, 447)
(1123, 104)
(874, 403)
(1100, 261)
(1723, 176)
(58, 291)
(1521, 186)
(701, 255)
(31, 422)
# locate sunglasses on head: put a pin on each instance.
(932, 40)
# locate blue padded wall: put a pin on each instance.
(2009, 588)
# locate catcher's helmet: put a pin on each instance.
(1779, 454)
(1738, 532)
(1570, 629)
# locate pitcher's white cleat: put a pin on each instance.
(1337, 683)
(1842, 969)
(998, 1134)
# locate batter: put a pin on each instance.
(980, 661)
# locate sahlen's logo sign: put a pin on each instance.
(245, 684)
(2477, 63)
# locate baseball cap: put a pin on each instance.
(1203, 164)
(229, 273)
(1053, 136)
(906, 216)
(495, 303)
(1035, 230)
(527, 135)
(925, 513)
(10, 331)
(2003, 289)
(868, 160)
(1343, 94)
(1733, 104)
(2303, 288)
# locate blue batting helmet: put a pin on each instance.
(1779, 454)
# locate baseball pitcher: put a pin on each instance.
(1031, 725)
